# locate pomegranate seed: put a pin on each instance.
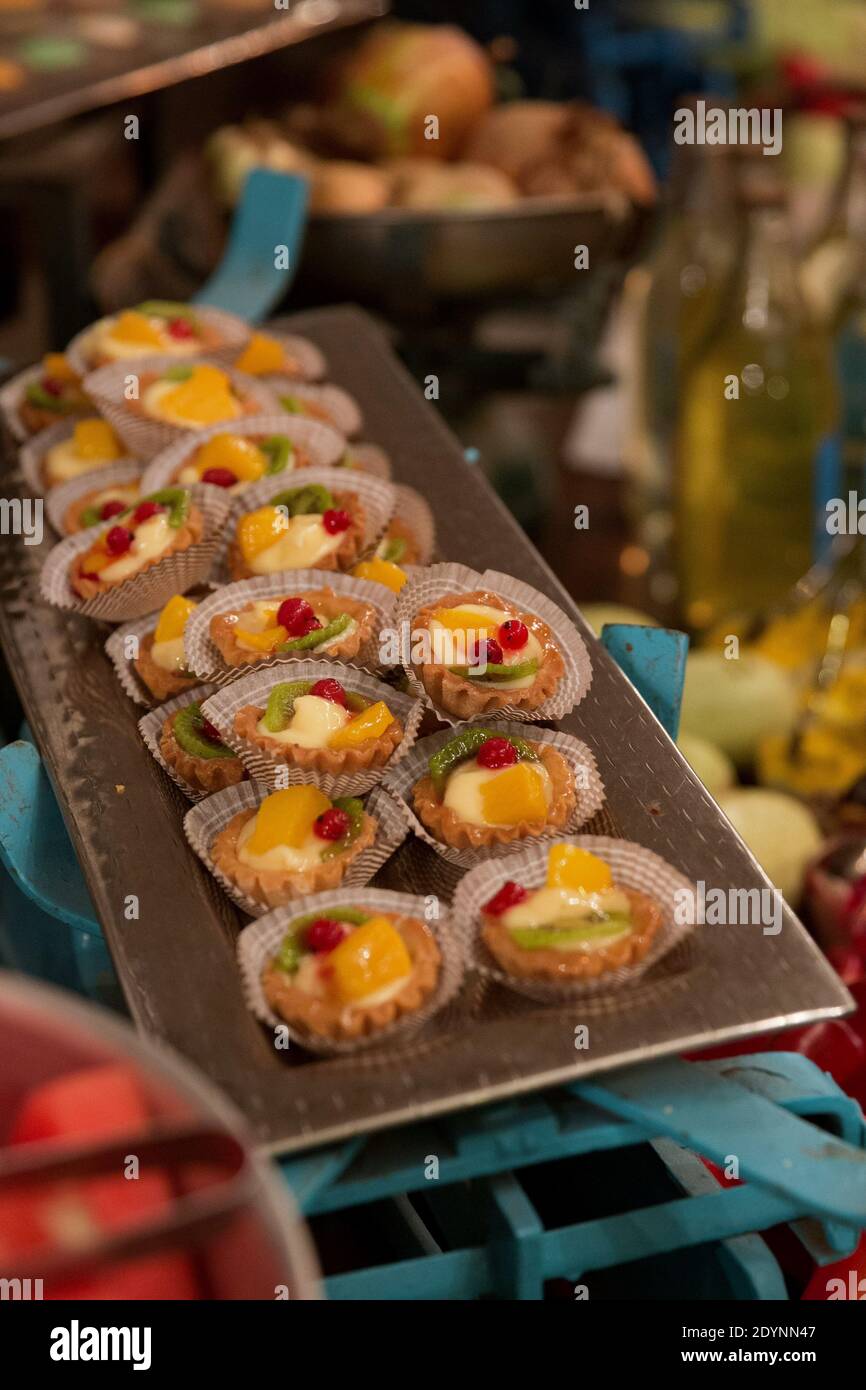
(297, 617)
(509, 895)
(336, 520)
(210, 732)
(118, 540)
(112, 508)
(145, 510)
(181, 329)
(486, 653)
(496, 752)
(513, 635)
(330, 690)
(51, 386)
(219, 477)
(324, 934)
(332, 824)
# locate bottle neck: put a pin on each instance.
(768, 298)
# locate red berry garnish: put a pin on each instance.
(219, 477)
(509, 895)
(496, 752)
(513, 635)
(88, 574)
(297, 617)
(145, 510)
(485, 653)
(336, 520)
(51, 386)
(324, 934)
(210, 732)
(111, 508)
(118, 540)
(332, 824)
(329, 690)
(181, 329)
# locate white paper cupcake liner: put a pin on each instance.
(141, 593)
(59, 499)
(144, 437)
(203, 822)
(12, 394)
(414, 511)
(343, 409)
(436, 581)
(320, 443)
(376, 497)
(254, 689)
(311, 362)
(589, 789)
(632, 866)
(150, 728)
(233, 330)
(260, 941)
(32, 454)
(203, 656)
(369, 458)
(124, 666)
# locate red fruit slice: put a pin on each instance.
(118, 540)
(210, 732)
(329, 690)
(324, 934)
(513, 635)
(509, 895)
(297, 617)
(336, 520)
(111, 508)
(486, 653)
(496, 752)
(51, 386)
(145, 510)
(332, 824)
(181, 329)
(219, 477)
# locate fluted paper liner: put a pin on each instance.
(312, 364)
(203, 656)
(376, 497)
(436, 581)
(343, 409)
(58, 500)
(12, 396)
(124, 666)
(369, 458)
(144, 437)
(632, 866)
(589, 790)
(260, 941)
(254, 689)
(414, 511)
(145, 592)
(32, 454)
(150, 728)
(323, 446)
(204, 821)
(233, 330)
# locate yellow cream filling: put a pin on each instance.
(302, 543)
(169, 655)
(151, 538)
(489, 620)
(284, 857)
(64, 462)
(313, 723)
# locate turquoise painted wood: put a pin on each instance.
(654, 659)
(264, 247)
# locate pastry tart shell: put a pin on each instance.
(336, 762)
(329, 604)
(444, 824)
(473, 699)
(162, 684)
(343, 558)
(276, 887)
(550, 964)
(327, 1018)
(189, 534)
(204, 774)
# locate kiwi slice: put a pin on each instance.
(35, 395)
(167, 309)
(317, 636)
(496, 672)
(394, 549)
(563, 938)
(91, 516)
(291, 950)
(281, 704)
(354, 808)
(176, 499)
(304, 501)
(277, 450)
(292, 405)
(465, 745)
(188, 734)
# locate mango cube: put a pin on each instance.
(262, 354)
(286, 818)
(133, 327)
(368, 960)
(515, 794)
(204, 398)
(370, 723)
(173, 618)
(240, 456)
(463, 620)
(95, 439)
(259, 530)
(57, 365)
(571, 867)
(381, 572)
(265, 641)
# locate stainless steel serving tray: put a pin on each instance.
(176, 962)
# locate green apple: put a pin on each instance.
(781, 832)
(711, 765)
(735, 702)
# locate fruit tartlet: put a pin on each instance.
(345, 973)
(283, 355)
(161, 664)
(330, 404)
(578, 926)
(481, 654)
(298, 841)
(193, 749)
(306, 527)
(99, 504)
(155, 328)
(192, 396)
(91, 445)
(484, 787)
(233, 461)
(162, 524)
(51, 395)
(315, 622)
(321, 726)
